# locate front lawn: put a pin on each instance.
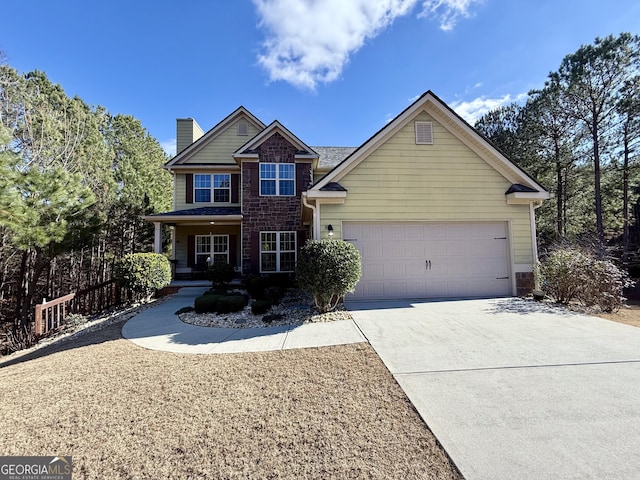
(125, 412)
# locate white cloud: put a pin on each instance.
(474, 109)
(169, 146)
(448, 12)
(310, 41)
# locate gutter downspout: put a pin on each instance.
(534, 240)
(315, 217)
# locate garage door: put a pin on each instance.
(425, 260)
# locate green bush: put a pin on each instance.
(221, 275)
(143, 273)
(231, 303)
(206, 303)
(328, 269)
(572, 273)
(184, 310)
(216, 303)
(258, 307)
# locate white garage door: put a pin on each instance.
(430, 260)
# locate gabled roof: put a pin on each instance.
(240, 112)
(435, 107)
(250, 149)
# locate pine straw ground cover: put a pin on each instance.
(125, 412)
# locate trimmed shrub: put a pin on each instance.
(143, 273)
(206, 303)
(231, 303)
(221, 275)
(571, 273)
(328, 269)
(258, 307)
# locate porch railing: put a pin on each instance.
(50, 315)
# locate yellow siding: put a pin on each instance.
(180, 201)
(446, 181)
(183, 232)
(221, 148)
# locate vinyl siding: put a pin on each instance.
(446, 181)
(221, 148)
(181, 191)
(182, 233)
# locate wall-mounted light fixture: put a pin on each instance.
(211, 222)
(330, 228)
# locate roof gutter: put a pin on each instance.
(315, 216)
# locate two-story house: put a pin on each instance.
(434, 208)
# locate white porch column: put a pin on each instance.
(157, 237)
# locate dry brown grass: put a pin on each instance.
(126, 412)
(630, 314)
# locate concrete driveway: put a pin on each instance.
(515, 389)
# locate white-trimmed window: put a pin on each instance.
(205, 188)
(277, 251)
(212, 249)
(278, 179)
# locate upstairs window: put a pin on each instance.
(277, 179)
(205, 188)
(202, 188)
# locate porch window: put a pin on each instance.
(202, 186)
(212, 249)
(277, 251)
(277, 179)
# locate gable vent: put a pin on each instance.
(243, 128)
(424, 133)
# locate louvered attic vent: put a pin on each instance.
(424, 133)
(243, 128)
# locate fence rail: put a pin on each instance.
(50, 315)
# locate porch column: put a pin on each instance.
(157, 237)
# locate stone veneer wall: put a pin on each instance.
(270, 213)
(525, 283)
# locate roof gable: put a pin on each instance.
(436, 108)
(249, 149)
(185, 155)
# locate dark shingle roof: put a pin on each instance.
(203, 211)
(332, 156)
(333, 187)
(516, 187)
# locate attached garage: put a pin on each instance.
(434, 209)
(431, 260)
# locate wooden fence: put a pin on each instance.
(50, 315)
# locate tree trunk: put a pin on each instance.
(625, 194)
(596, 182)
(559, 193)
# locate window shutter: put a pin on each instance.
(191, 251)
(254, 178)
(233, 250)
(302, 180)
(235, 188)
(301, 238)
(189, 177)
(424, 133)
(255, 252)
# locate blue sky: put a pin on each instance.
(332, 71)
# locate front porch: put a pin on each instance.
(200, 237)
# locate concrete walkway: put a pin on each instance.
(514, 389)
(158, 328)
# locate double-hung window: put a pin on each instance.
(277, 251)
(278, 179)
(205, 188)
(212, 249)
